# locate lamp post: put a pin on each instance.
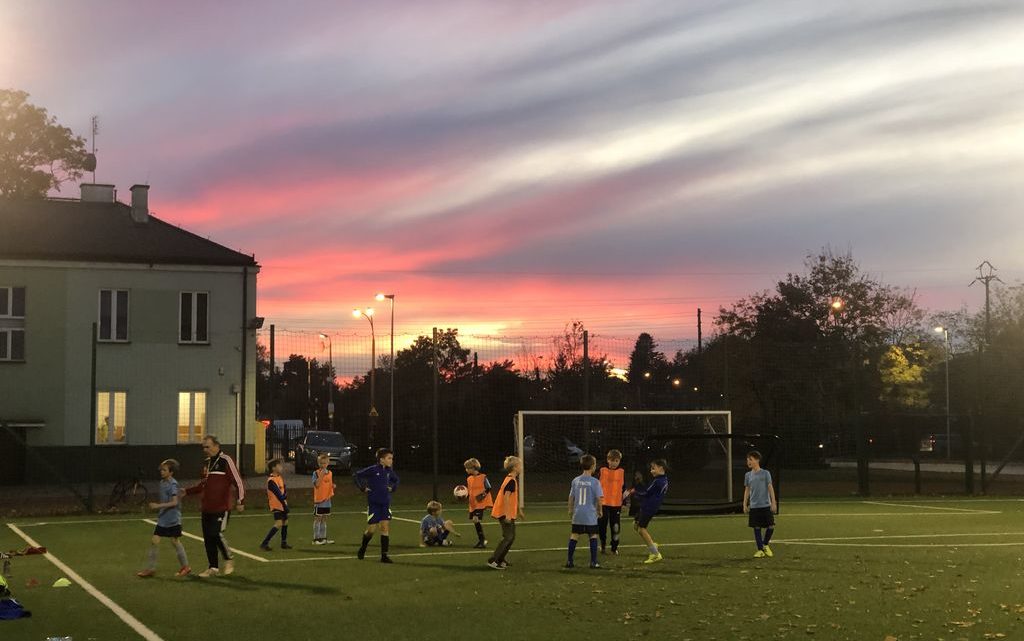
(329, 378)
(368, 315)
(945, 339)
(391, 396)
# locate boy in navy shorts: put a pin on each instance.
(585, 500)
(168, 522)
(378, 482)
(759, 503)
(652, 496)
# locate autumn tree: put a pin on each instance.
(37, 154)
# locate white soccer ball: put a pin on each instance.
(461, 491)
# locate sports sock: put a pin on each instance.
(479, 530)
(366, 541)
(179, 550)
(151, 556)
(323, 529)
(652, 548)
(615, 536)
(572, 549)
(768, 535)
(593, 551)
(385, 542)
(316, 529)
(757, 538)
(284, 534)
(270, 535)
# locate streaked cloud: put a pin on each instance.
(503, 165)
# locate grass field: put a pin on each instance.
(844, 569)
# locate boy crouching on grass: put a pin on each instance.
(434, 529)
(168, 522)
(277, 500)
(759, 503)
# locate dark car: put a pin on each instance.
(319, 442)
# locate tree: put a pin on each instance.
(36, 153)
(646, 363)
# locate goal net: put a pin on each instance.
(706, 460)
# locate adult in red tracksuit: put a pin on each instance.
(219, 475)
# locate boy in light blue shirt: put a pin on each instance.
(759, 503)
(586, 499)
(168, 522)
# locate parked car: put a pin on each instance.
(317, 442)
(938, 444)
(558, 450)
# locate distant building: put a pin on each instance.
(175, 318)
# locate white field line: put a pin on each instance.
(787, 515)
(926, 507)
(133, 623)
(838, 541)
(233, 550)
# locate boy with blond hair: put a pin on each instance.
(168, 522)
(506, 509)
(479, 488)
(323, 490)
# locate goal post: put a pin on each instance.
(550, 442)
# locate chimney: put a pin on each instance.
(140, 203)
(93, 193)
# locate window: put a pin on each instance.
(113, 321)
(110, 417)
(12, 323)
(191, 416)
(193, 315)
(12, 302)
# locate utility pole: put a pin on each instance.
(700, 360)
(986, 274)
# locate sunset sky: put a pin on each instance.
(505, 167)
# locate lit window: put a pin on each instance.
(111, 423)
(191, 416)
(12, 323)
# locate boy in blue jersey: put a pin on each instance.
(168, 523)
(585, 501)
(378, 482)
(651, 496)
(759, 503)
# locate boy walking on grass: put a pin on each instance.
(168, 523)
(759, 504)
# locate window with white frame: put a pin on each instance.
(12, 323)
(113, 315)
(191, 416)
(194, 317)
(111, 423)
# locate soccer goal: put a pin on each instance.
(706, 459)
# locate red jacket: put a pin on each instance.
(219, 475)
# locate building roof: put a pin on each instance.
(72, 230)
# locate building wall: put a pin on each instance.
(62, 302)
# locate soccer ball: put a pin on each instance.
(461, 492)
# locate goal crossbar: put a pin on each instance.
(521, 434)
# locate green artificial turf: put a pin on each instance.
(847, 569)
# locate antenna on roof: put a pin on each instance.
(91, 161)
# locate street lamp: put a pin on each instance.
(329, 377)
(945, 338)
(391, 399)
(368, 315)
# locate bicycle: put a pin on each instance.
(129, 492)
